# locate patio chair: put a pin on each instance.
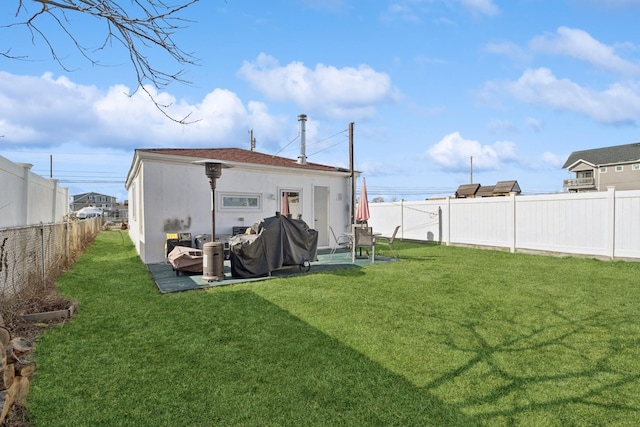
(388, 242)
(363, 238)
(343, 241)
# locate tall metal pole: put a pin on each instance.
(213, 172)
(471, 171)
(302, 158)
(351, 174)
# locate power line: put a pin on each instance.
(90, 181)
(320, 141)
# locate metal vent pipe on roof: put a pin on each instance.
(302, 158)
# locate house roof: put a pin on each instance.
(606, 155)
(476, 190)
(467, 190)
(239, 155)
(485, 191)
(82, 196)
(505, 187)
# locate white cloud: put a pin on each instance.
(618, 104)
(553, 159)
(502, 126)
(508, 49)
(454, 153)
(534, 124)
(413, 10)
(581, 45)
(404, 11)
(44, 111)
(485, 7)
(346, 93)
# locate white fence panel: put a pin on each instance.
(627, 220)
(421, 221)
(483, 221)
(417, 220)
(555, 223)
(27, 198)
(386, 215)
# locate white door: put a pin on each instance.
(321, 214)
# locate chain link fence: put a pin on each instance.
(35, 256)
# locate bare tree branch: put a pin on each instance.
(139, 27)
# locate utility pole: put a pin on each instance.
(471, 171)
(351, 172)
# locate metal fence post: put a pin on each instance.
(42, 251)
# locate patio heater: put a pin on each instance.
(213, 252)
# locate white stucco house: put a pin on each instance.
(169, 192)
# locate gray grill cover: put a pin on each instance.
(279, 242)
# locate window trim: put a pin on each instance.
(603, 169)
(619, 168)
(298, 190)
(635, 167)
(237, 195)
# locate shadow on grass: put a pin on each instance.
(567, 370)
(234, 358)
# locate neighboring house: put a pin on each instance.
(599, 168)
(169, 192)
(94, 200)
(502, 188)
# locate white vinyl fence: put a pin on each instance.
(602, 224)
(27, 198)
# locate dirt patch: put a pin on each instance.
(42, 300)
(48, 299)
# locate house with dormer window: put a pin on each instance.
(599, 168)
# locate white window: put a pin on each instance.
(635, 167)
(237, 201)
(603, 170)
(290, 202)
(619, 168)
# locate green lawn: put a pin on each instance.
(449, 336)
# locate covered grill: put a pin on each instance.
(278, 242)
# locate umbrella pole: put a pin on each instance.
(351, 172)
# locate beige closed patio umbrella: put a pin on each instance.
(285, 204)
(362, 212)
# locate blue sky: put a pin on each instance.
(516, 85)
